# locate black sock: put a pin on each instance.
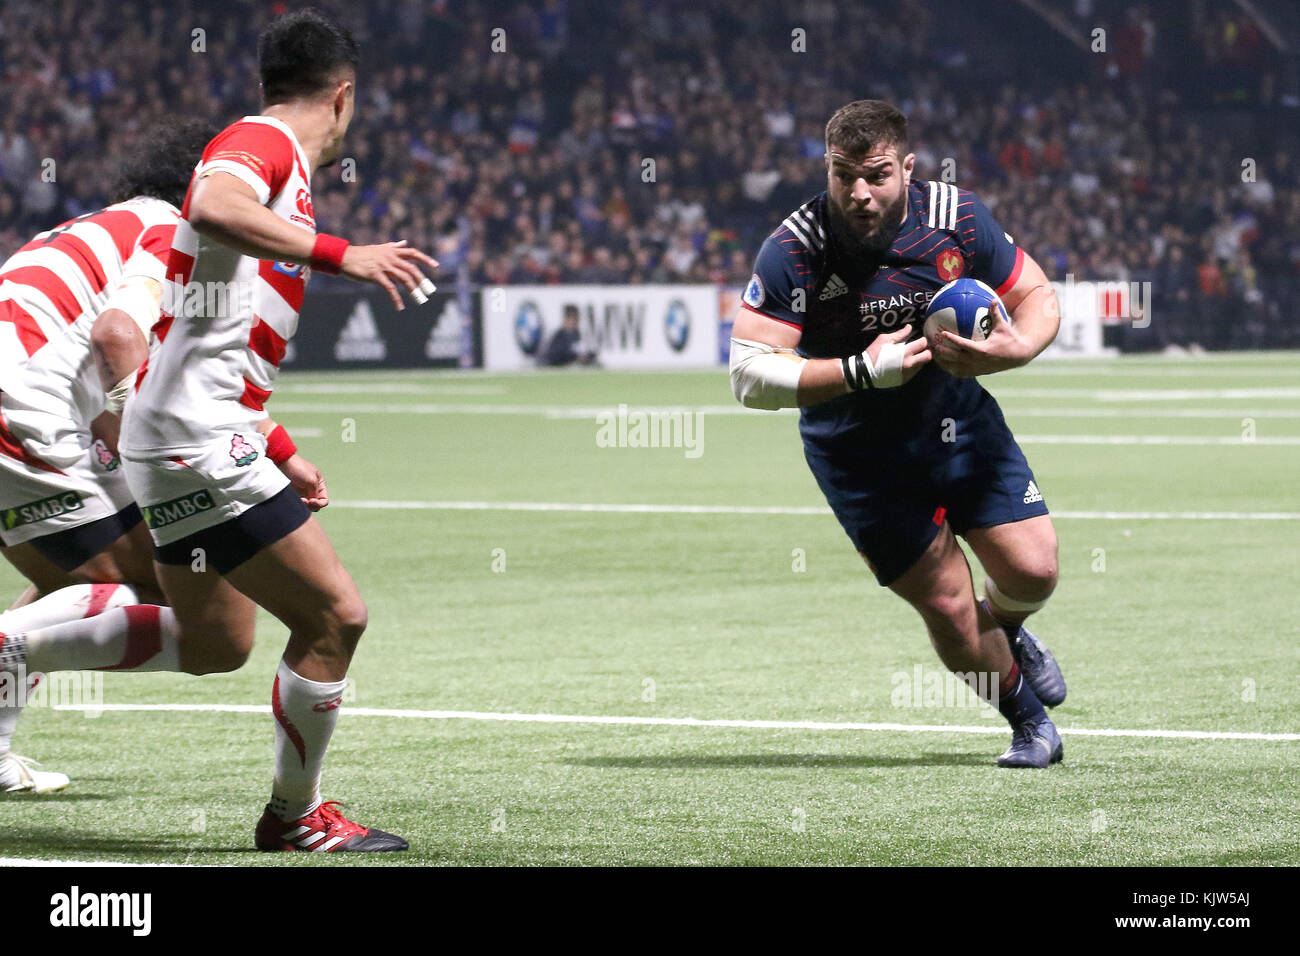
(1020, 703)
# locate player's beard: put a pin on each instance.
(873, 245)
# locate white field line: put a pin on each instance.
(416, 380)
(34, 862)
(591, 411)
(1011, 391)
(1220, 363)
(1156, 440)
(685, 721)
(396, 388)
(1155, 371)
(598, 508)
(1233, 413)
(1147, 394)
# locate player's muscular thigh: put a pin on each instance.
(216, 621)
(37, 568)
(938, 585)
(301, 581)
(1020, 557)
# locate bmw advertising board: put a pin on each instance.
(652, 326)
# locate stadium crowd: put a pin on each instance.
(639, 141)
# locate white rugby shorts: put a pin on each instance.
(188, 493)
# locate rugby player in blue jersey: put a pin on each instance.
(906, 445)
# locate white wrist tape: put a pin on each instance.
(139, 299)
(886, 372)
(763, 376)
(115, 398)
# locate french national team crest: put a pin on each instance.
(242, 451)
(949, 265)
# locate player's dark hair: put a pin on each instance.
(161, 166)
(860, 126)
(301, 54)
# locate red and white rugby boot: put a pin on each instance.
(325, 829)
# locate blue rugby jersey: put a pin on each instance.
(841, 305)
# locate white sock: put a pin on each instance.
(14, 686)
(67, 604)
(13, 689)
(143, 637)
(97, 633)
(9, 714)
(305, 713)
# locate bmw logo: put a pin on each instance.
(528, 327)
(677, 325)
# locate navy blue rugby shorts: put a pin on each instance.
(893, 499)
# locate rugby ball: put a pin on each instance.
(963, 307)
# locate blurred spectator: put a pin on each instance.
(661, 142)
(563, 347)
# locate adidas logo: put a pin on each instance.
(444, 337)
(1032, 494)
(834, 286)
(305, 837)
(360, 339)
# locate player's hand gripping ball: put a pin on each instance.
(963, 307)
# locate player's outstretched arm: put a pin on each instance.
(766, 373)
(1035, 318)
(225, 208)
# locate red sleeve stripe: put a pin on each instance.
(180, 266)
(162, 327)
(1015, 273)
(253, 396)
(266, 342)
(748, 308)
(28, 329)
(260, 147)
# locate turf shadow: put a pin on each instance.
(48, 841)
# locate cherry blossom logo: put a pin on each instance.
(107, 460)
(242, 451)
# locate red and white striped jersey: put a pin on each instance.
(68, 272)
(226, 317)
